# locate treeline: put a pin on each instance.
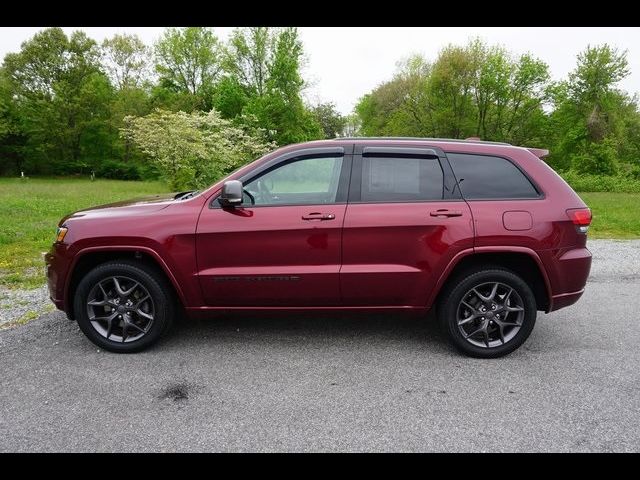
(589, 125)
(190, 108)
(65, 100)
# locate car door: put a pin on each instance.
(282, 246)
(404, 222)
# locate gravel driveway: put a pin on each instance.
(379, 383)
(17, 305)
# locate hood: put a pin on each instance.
(136, 206)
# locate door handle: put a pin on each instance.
(443, 212)
(318, 216)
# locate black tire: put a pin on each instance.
(460, 287)
(160, 293)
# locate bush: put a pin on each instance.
(118, 170)
(192, 150)
(583, 182)
(149, 171)
(596, 158)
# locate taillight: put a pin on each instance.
(581, 218)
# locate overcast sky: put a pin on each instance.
(344, 63)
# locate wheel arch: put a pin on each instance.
(88, 258)
(521, 260)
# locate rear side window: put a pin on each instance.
(484, 177)
(398, 179)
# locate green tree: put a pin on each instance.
(188, 61)
(509, 94)
(524, 119)
(248, 58)
(450, 92)
(230, 97)
(628, 136)
(399, 107)
(264, 66)
(12, 138)
(352, 126)
(128, 101)
(593, 121)
(597, 72)
(126, 60)
(59, 89)
(476, 90)
(332, 123)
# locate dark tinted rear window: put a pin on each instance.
(401, 179)
(486, 177)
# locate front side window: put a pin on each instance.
(483, 177)
(401, 179)
(308, 181)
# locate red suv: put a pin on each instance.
(485, 232)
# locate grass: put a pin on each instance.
(615, 215)
(29, 213)
(26, 318)
(30, 210)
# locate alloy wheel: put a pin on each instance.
(490, 314)
(120, 309)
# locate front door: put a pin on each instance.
(282, 246)
(404, 222)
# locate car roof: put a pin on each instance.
(423, 139)
(471, 145)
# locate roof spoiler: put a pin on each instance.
(539, 152)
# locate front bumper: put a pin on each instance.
(56, 268)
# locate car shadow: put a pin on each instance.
(310, 327)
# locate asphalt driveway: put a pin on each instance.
(335, 383)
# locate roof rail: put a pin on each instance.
(457, 140)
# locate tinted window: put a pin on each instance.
(400, 179)
(303, 182)
(485, 177)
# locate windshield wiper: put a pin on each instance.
(185, 195)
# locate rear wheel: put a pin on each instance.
(123, 306)
(489, 313)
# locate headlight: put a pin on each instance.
(60, 234)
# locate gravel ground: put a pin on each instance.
(382, 383)
(17, 304)
(614, 260)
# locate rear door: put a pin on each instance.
(404, 222)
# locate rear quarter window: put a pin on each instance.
(485, 177)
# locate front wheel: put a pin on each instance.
(488, 314)
(123, 306)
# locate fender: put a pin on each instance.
(491, 249)
(115, 248)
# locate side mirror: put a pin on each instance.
(231, 194)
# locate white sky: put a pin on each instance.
(344, 63)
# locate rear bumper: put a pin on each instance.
(565, 299)
(570, 273)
